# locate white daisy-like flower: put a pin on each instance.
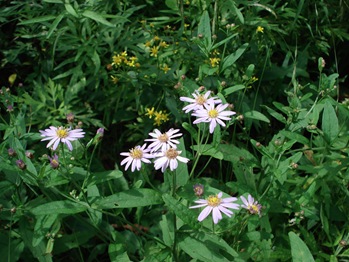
(136, 156)
(213, 114)
(163, 141)
(251, 205)
(61, 134)
(216, 204)
(198, 101)
(169, 158)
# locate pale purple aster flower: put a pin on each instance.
(61, 134)
(216, 204)
(54, 161)
(198, 101)
(136, 156)
(251, 205)
(169, 158)
(213, 114)
(163, 141)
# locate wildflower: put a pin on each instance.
(169, 158)
(9, 108)
(198, 101)
(61, 134)
(150, 112)
(213, 114)
(251, 205)
(154, 51)
(11, 152)
(260, 29)
(148, 44)
(136, 156)
(214, 61)
(216, 204)
(70, 118)
(20, 163)
(54, 161)
(163, 141)
(29, 154)
(165, 68)
(160, 117)
(198, 189)
(164, 44)
(114, 79)
(117, 60)
(156, 38)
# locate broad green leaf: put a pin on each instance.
(42, 226)
(130, 198)
(97, 17)
(208, 150)
(231, 59)
(232, 89)
(239, 14)
(204, 29)
(256, 115)
(167, 231)
(101, 177)
(300, 251)
(207, 247)
(295, 136)
(329, 122)
(172, 4)
(59, 207)
(117, 253)
(276, 115)
(70, 9)
(181, 211)
(37, 20)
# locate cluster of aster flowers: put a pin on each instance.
(207, 109)
(217, 205)
(163, 149)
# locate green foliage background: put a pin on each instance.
(287, 146)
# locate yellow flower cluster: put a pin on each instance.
(260, 29)
(214, 61)
(124, 59)
(159, 116)
(155, 44)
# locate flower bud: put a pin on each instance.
(20, 163)
(198, 189)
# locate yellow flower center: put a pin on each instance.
(136, 153)
(213, 201)
(163, 138)
(213, 113)
(200, 100)
(254, 208)
(171, 153)
(62, 132)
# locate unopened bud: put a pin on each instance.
(11, 152)
(198, 189)
(70, 118)
(29, 154)
(20, 163)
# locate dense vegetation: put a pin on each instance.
(177, 130)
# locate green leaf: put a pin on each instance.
(300, 251)
(256, 115)
(329, 122)
(181, 211)
(231, 59)
(59, 207)
(42, 226)
(117, 253)
(232, 89)
(70, 9)
(276, 115)
(97, 17)
(130, 198)
(204, 29)
(207, 247)
(54, 25)
(38, 20)
(208, 150)
(104, 176)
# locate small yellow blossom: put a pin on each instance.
(114, 79)
(160, 117)
(214, 61)
(130, 63)
(150, 112)
(260, 29)
(148, 44)
(165, 68)
(254, 79)
(117, 60)
(164, 44)
(186, 25)
(156, 38)
(154, 51)
(124, 54)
